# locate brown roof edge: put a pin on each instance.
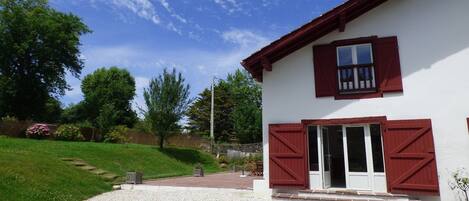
(322, 25)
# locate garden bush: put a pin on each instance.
(69, 132)
(117, 135)
(38, 131)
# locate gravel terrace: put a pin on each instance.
(167, 193)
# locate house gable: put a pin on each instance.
(326, 23)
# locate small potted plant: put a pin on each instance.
(134, 177)
(198, 170)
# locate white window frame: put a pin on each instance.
(355, 83)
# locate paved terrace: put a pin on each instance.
(219, 180)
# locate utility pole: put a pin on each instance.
(212, 136)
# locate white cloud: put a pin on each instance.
(143, 8)
(168, 8)
(244, 38)
(171, 27)
(230, 5)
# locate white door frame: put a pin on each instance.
(369, 157)
(322, 170)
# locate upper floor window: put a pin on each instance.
(355, 69)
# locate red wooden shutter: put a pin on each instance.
(325, 64)
(410, 157)
(388, 67)
(288, 165)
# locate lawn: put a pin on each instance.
(33, 169)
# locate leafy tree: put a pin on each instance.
(53, 111)
(107, 118)
(167, 99)
(109, 91)
(39, 45)
(74, 113)
(237, 110)
(247, 110)
(199, 113)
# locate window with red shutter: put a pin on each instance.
(410, 157)
(357, 68)
(388, 64)
(324, 70)
(287, 156)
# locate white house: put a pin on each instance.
(370, 96)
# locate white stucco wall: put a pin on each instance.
(433, 40)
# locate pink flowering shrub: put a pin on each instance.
(38, 131)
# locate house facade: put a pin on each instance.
(369, 96)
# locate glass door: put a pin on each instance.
(326, 158)
(333, 157)
(358, 157)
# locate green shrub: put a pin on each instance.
(69, 132)
(117, 135)
(222, 159)
(9, 119)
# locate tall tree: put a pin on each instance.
(39, 45)
(109, 91)
(199, 113)
(167, 99)
(237, 110)
(247, 110)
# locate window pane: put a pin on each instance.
(345, 56)
(377, 148)
(356, 149)
(364, 54)
(325, 148)
(313, 148)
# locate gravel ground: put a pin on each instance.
(162, 193)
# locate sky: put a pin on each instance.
(199, 38)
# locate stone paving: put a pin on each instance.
(219, 180)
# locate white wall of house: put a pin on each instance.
(433, 38)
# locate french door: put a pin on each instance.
(351, 157)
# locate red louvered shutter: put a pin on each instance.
(288, 165)
(388, 67)
(410, 157)
(325, 64)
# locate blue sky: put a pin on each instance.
(200, 38)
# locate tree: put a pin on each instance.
(39, 45)
(237, 110)
(53, 111)
(74, 113)
(167, 99)
(247, 110)
(199, 113)
(109, 89)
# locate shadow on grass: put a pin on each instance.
(188, 156)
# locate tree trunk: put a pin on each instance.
(161, 141)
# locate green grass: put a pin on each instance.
(32, 169)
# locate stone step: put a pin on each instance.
(68, 159)
(87, 167)
(340, 195)
(98, 171)
(109, 176)
(78, 163)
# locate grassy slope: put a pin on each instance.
(32, 169)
